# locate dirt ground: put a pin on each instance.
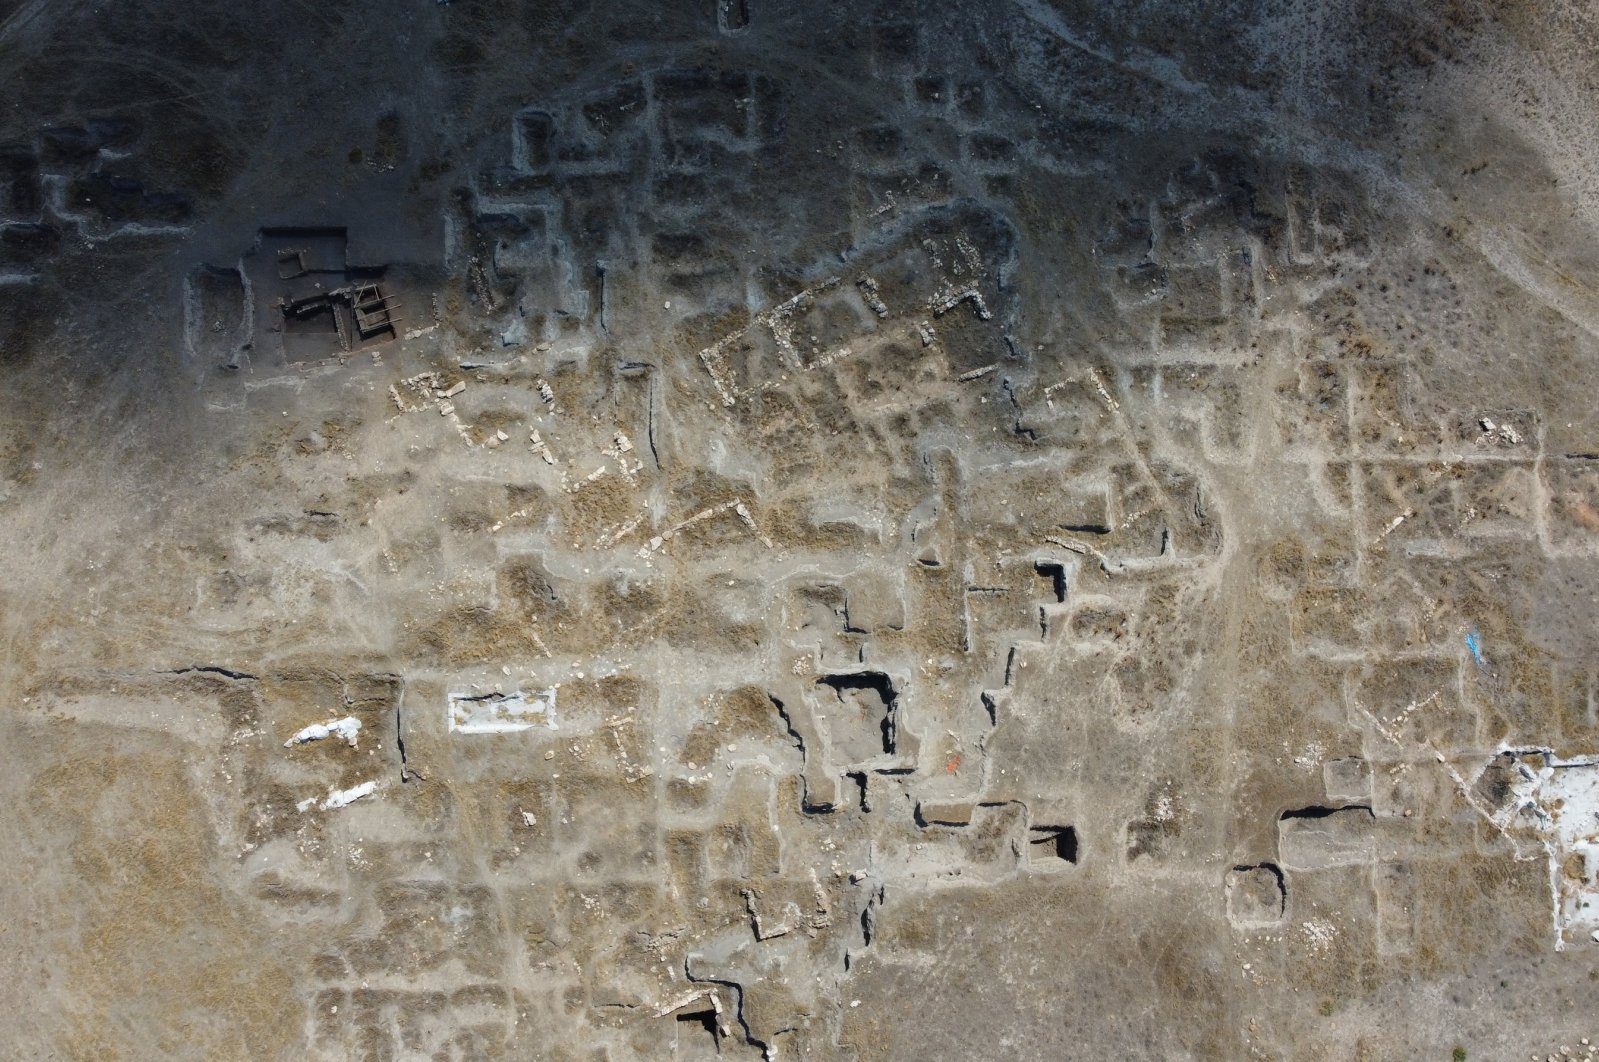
(1022, 529)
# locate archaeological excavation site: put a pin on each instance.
(879, 531)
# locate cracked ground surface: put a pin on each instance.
(1010, 530)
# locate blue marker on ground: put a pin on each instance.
(1474, 643)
